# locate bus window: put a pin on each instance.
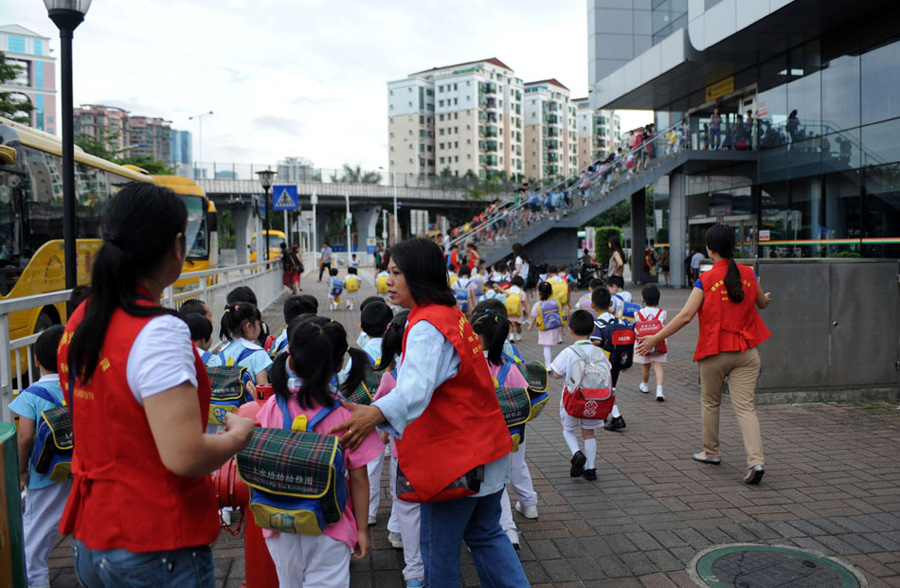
(197, 243)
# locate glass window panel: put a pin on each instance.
(841, 151)
(882, 237)
(840, 93)
(840, 212)
(880, 89)
(880, 143)
(804, 100)
(773, 164)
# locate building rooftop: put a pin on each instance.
(15, 29)
(492, 60)
(551, 81)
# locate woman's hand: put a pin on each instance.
(240, 427)
(645, 345)
(359, 425)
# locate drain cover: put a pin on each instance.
(771, 566)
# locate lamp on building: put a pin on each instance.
(266, 177)
(67, 15)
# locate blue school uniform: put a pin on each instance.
(29, 405)
(246, 354)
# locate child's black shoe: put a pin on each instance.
(578, 461)
(590, 475)
(615, 424)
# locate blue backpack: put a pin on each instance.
(462, 295)
(296, 476)
(230, 388)
(54, 439)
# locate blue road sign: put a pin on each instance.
(284, 197)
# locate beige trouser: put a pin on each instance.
(742, 370)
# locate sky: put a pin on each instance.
(302, 78)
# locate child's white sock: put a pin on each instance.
(659, 389)
(615, 411)
(572, 440)
(590, 452)
(548, 355)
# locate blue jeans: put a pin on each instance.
(476, 521)
(190, 567)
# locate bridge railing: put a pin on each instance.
(211, 286)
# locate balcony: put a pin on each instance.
(490, 103)
(490, 88)
(552, 144)
(491, 131)
(553, 132)
(491, 160)
(554, 119)
(553, 157)
(491, 146)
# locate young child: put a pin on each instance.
(544, 311)
(616, 287)
(201, 335)
(293, 307)
(246, 294)
(195, 306)
(581, 325)
(335, 289)
(516, 301)
(403, 526)
(651, 311)
(381, 287)
(351, 284)
(492, 290)
(584, 303)
(560, 289)
(353, 261)
(373, 320)
(302, 379)
(492, 327)
(602, 304)
(466, 290)
(44, 500)
(240, 328)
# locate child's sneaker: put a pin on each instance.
(396, 540)
(415, 583)
(643, 387)
(659, 394)
(529, 512)
(578, 461)
(590, 475)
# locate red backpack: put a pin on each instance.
(647, 327)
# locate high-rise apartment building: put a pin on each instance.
(551, 147)
(36, 82)
(182, 144)
(459, 119)
(295, 169)
(139, 136)
(598, 132)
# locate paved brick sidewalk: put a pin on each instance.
(832, 485)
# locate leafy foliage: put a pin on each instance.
(10, 107)
(601, 241)
(104, 147)
(356, 175)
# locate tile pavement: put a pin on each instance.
(832, 485)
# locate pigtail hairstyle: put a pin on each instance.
(392, 343)
(234, 317)
(310, 354)
(545, 290)
(140, 225)
(720, 238)
(494, 327)
(337, 338)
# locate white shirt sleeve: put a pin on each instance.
(161, 358)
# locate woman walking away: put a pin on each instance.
(616, 265)
(139, 407)
(727, 298)
(452, 441)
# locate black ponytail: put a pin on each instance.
(338, 347)
(494, 327)
(140, 225)
(311, 358)
(720, 239)
(392, 342)
(234, 317)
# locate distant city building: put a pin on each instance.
(37, 81)
(295, 169)
(598, 132)
(136, 136)
(181, 147)
(551, 144)
(460, 118)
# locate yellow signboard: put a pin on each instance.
(719, 89)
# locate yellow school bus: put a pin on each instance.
(31, 212)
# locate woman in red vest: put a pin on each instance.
(727, 298)
(453, 445)
(142, 507)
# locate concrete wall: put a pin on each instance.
(556, 246)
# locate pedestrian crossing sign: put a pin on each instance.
(284, 197)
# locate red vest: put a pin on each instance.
(726, 325)
(462, 427)
(123, 497)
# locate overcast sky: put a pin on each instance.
(302, 78)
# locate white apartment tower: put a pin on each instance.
(598, 132)
(460, 119)
(551, 144)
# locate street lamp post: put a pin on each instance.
(199, 118)
(67, 15)
(396, 220)
(265, 178)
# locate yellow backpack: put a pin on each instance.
(351, 283)
(381, 283)
(513, 304)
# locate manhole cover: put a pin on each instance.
(771, 566)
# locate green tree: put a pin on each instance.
(102, 146)
(601, 242)
(154, 167)
(356, 175)
(12, 108)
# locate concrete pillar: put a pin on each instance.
(242, 224)
(366, 220)
(638, 236)
(678, 228)
(321, 226)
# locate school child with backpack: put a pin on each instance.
(381, 286)
(587, 373)
(560, 289)
(621, 298)
(492, 327)
(293, 307)
(240, 328)
(547, 314)
(335, 289)
(246, 294)
(650, 320)
(466, 290)
(515, 303)
(44, 498)
(301, 382)
(584, 303)
(201, 335)
(604, 326)
(351, 284)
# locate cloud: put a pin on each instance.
(278, 123)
